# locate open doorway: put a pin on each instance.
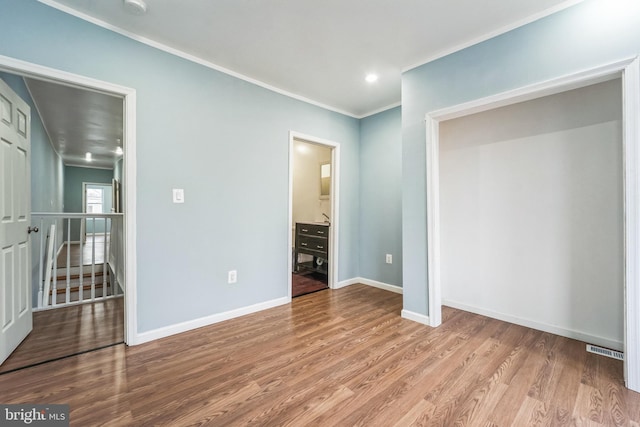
(58, 232)
(313, 168)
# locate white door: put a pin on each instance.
(15, 216)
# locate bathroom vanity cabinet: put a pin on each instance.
(312, 239)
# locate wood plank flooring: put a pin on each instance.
(69, 330)
(338, 358)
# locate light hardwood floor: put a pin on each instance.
(338, 358)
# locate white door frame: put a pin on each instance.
(629, 71)
(27, 69)
(334, 196)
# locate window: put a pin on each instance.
(94, 200)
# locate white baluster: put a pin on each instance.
(81, 284)
(68, 293)
(54, 293)
(116, 288)
(49, 266)
(93, 260)
(41, 262)
(104, 260)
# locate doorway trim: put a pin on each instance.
(128, 95)
(335, 208)
(629, 71)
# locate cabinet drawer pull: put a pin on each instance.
(303, 244)
(320, 232)
(304, 229)
(320, 247)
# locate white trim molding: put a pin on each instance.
(569, 333)
(416, 317)
(348, 282)
(380, 285)
(631, 154)
(208, 320)
(494, 33)
(27, 69)
(192, 58)
(373, 283)
(629, 70)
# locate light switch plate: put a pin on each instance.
(178, 195)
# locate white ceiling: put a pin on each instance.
(318, 50)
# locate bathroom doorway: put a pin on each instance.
(312, 207)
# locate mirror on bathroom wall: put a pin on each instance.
(325, 180)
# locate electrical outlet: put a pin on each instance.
(389, 259)
(232, 277)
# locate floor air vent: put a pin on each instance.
(605, 352)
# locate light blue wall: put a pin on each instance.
(381, 196)
(223, 140)
(73, 179)
(47, 177)
(590, 34)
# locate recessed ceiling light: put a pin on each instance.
(87, 157)
(136, 7)
(371, 78)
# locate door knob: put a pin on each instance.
(32, 230)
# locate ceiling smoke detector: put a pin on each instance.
(136, 7)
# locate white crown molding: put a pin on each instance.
(380, 110)
(195, 59)
(189, 57)
(520, 23)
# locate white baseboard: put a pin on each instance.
(564, 332)
(220, 317)
(346, 283)
(166, 331)
(416, 317)
(381, 285)
(369, 282)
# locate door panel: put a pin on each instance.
(15, 216)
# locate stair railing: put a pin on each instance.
(92, 269)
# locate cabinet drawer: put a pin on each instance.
(312, 243)
(312, 229)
